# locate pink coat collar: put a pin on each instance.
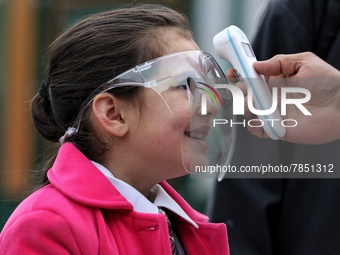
(74, 175)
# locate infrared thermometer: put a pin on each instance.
(233, 45)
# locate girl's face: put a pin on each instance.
(164, 133)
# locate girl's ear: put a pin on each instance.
(108, 113)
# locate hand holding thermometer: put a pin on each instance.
(233, 45)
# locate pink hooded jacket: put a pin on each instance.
(81, 212)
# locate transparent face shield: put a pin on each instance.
(198, 109)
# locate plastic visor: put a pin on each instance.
(186, 82)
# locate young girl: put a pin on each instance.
(124, 127)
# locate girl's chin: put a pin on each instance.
(192, 163)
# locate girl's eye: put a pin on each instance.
(182, 86)
(185, 84)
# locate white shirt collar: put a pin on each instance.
(140, 202)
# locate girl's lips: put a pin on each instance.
(199, 133)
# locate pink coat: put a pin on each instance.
(81, 212)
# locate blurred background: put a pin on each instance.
(27, 27)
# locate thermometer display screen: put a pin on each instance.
(247, 48)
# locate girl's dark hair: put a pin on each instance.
(89, 54)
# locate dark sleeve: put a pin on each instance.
(248, 207)
(278, 216)
(289, 26)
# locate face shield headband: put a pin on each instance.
(187, 83)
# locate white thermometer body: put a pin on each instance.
(233, 45)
